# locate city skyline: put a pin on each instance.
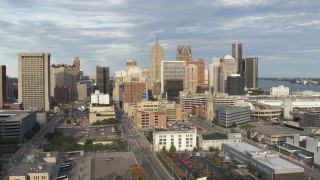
(283, 35)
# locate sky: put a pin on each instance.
(283, 34)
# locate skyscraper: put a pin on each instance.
(34, 80)
(184, 53)
(156, 57)
(3, 85)
(237, 55)
(102, 79)
(173, 78)
(220, 69)
(251, 72)
(76, 63)
(63, 75)
(191, 78)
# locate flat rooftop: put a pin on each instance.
(176, 132)
(277, 130)
(278, 164)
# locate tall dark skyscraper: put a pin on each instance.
(102, 79)
(250, 66)
(237, 55)
(235, 84)
(3, 85)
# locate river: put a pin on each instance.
(267, 84)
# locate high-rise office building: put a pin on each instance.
(220, 69)
(34, 80)
(12, 89)
(235, 84)
(251, 72)
(191, 78)
(201, 70)
(173, 78)
(76, 63)
(237, 55)
(156, 57)
(102, 79)
(3, 85)
(64, 76)
(184, 53)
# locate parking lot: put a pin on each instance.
(108, 169)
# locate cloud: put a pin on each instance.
(107, 32)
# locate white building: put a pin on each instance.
(216, 140)
(306, 147)
(100, 98)
(279, 91)
(182, 140)
(274, 167)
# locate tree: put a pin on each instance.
(164, 151)
(186, 153)
(68, 121)
(117, 177)
(172, 149)
(195, 149)
(138, 173)
(190, 177)
(88, 143)
(250, 167)
(224, 166)
(66, 111)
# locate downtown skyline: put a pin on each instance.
(107, 33)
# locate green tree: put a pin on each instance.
(172, 149)
(68, 121)
(66, 111)
(195, 149)
(190, 177)
(250, 167)
(117, 177)
(164, 151)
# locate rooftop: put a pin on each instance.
(214, 136)
(277, 130)
(176, 132)
(279, 165)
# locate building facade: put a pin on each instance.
(102, 79)
(215, 140)
(3, 85)
(149, 119)
(173, 78)
(191, 78)
(235, 84)
(76, 63)
(15, 124)
(279, 91)
(237, 55)
(231, 115)
(181, 140)
(250, 66)
(184, 53)
(34, 80)
(274, 167)
(156, 57)
(63, 75)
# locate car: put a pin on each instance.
(109, 159)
